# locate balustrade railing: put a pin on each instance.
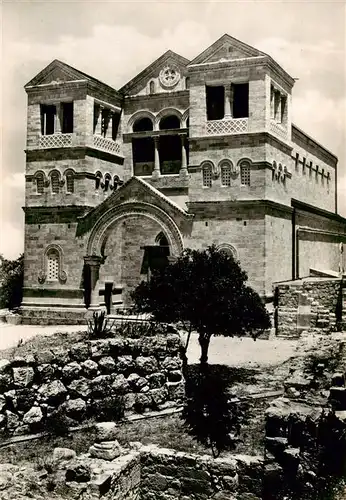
(278, 129)
(227, 126)
(106, 144)
(55, 141)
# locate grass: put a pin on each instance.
(41, 343)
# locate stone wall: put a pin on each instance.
(305, 453)
(75, 380)
(310, 304)
(168, 475)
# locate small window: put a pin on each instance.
(69, 182)
(105, 119)
(187, 83)
(107, 182)
(48, 119)
(55, 181)
(152, 87)
(115, 125)
(53, 264)
(116, 182)
(39, 184)
(215, 97)
(245, 174)
(240, 100)
(206, 174)
(226, 172)
(67, 117)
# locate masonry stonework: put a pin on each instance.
(186, 154)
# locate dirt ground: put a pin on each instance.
(238, 352)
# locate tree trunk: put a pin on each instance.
(204, 343)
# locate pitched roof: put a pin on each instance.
(74, 73)
(248, 50)
(149, 69)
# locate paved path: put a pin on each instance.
(10, 335)
(229, 351)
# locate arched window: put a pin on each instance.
(207, 174)
(116, 182)
(152, 87)
(53, 265)
(245, 173)
(161, 240)
(55, 182)
(226, 172)
(107, 182)
(142, 125)
(187, 83)
(169, 122)
(228, 250)
(98, 177)
(69, 182)
(39, 183)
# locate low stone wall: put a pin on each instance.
(168, 475)
(76, 380)
(308, 304)
(305, 455)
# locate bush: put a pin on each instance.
(11, 282)
(57, 424)
(99, 327)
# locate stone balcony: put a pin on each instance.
(70, 140)
(56, 141)
(278, 129)
(106, 144)
(227, 126)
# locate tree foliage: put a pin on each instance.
(11, 282)
(206, 291)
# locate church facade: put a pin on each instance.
(186, 154)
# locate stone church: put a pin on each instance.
(186, 154)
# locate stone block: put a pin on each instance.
(106, 450)
(71, 371)
(80, 387)
(89, 368)
(106, 431)
(23, 376)
(107, 364)
(61, 455)
(79, 351)
(337, 398)
(75, 408)
(33, 416)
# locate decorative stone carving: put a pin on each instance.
(169, 76)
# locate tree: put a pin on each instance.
(206, 291)
(11, 282)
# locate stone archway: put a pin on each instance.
(119, 237)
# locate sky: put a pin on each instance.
(114, 40)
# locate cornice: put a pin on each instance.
(73, 153)
(246, 62)
(157, 96)
(300, 205)
(314, 147)
(227, 207)
(232, 139)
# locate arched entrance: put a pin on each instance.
(119, 241)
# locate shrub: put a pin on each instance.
(57, 424)
(99, 327)
(11, 282)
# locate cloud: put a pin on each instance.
(12, 240)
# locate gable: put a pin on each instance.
(167, 74)
(226, 48)
(134, 190)
(56, 72)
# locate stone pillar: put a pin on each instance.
(156, 172)
(228, 101)
(94, 262)
(109, 133)
(58, 118)
(98, 128)
(183, 168)
(277, 107)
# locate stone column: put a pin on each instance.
(98, 128)
(183, 168)
(94, 262)
(110, 124)
(228, 101)
(156, 172)
(277, 107)
(58, 119)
